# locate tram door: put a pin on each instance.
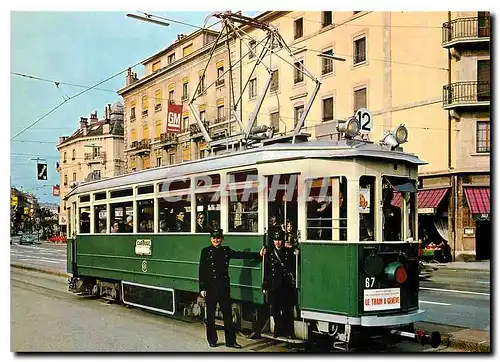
(282, 205)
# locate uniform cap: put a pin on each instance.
(278, 235)
(216, 233)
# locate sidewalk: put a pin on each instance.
(470, 340)
(471, 265)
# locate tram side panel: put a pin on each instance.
(173, 262)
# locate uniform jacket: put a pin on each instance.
(214, 265)
(279, 268)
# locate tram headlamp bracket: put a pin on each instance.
(396, 137)
(349, 128)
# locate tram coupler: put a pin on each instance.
(420, 336)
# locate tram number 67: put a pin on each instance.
(365, 120)
(369, 281)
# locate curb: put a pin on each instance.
(40, 269)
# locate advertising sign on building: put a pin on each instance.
(55, 190)
(174, 116)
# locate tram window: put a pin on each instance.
(85, 198)
(183, 184)
(243, 202)
(122, 214)
(100, 196)
(121, 193)
(282, 204)
(207, 211)
(141, 190)
(145, 217)
(100, 219)
(394, 191)
(366, 208)
(84, 220)
(208, 180)
(174, 214)
(327, 208)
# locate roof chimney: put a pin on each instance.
(83, 123)
(93, 117)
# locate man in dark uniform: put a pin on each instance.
(279, 284)
(214, 285)
(391, 217)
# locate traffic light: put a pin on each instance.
(41, 171)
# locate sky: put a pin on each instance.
(81, 48)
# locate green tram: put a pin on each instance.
(351, 203)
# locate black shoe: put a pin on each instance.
(212, 344)
(233, 345)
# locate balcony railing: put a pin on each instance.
(466, 29)
(194, 130)
(167, 139)
(91, 158)
(466, 93)
(158, 107)
(133, 145)
(143, 144)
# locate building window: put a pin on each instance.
(171, 58)
(145, 162)
(65, 156)
(185, 90)
(133, 135)
(252, 44)
(74, 176)
(327, 18)
(171, 158)
(297, 114)
(274, 81)
(298, 28)
(74, 154)
(171, 96)
(202, 115)
(158, 96)
(359, 50)
(201, 88)
(158, 129)
(133, 163)
(132, 111)
(275, 121)
(158, 162)
(185, 124)
(327, 64)
(328, 109)
(96, 152)
(220, 113)
(65, 180)
(145, 132)
(220, 80)
(359, 99)
(187, 50)
(483, 137)
(252, 88)
(144, 106)
(298, 72)
(156, 66)
(202, 154)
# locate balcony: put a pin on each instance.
(195, 132)
(143, 146)
(90, 158)
(466, 94)
(220, 129)
(158, 107)
(466, 32)
(133, 145)
(145, 113)
(167, 140)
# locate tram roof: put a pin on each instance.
(318, 149)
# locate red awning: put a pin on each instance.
(426, 198)
(478, 199)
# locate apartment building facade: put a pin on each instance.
(171, 77)
(92, 152)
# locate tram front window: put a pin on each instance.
(327, 208)
(84, 220)
(396, 192)
(366, 208)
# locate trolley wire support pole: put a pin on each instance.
(300, 123)
(254, 114)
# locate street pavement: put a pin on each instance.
(60, 321)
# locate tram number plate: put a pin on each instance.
(382, 299)
(143, 247)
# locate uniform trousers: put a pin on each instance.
(281, 301)
(219, 294)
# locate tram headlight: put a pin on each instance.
(350, 127)
(396, 137)
(396, 271)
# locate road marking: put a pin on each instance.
(480, 281)
(454, 291)
(437, 303)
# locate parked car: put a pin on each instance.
(28, 239)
